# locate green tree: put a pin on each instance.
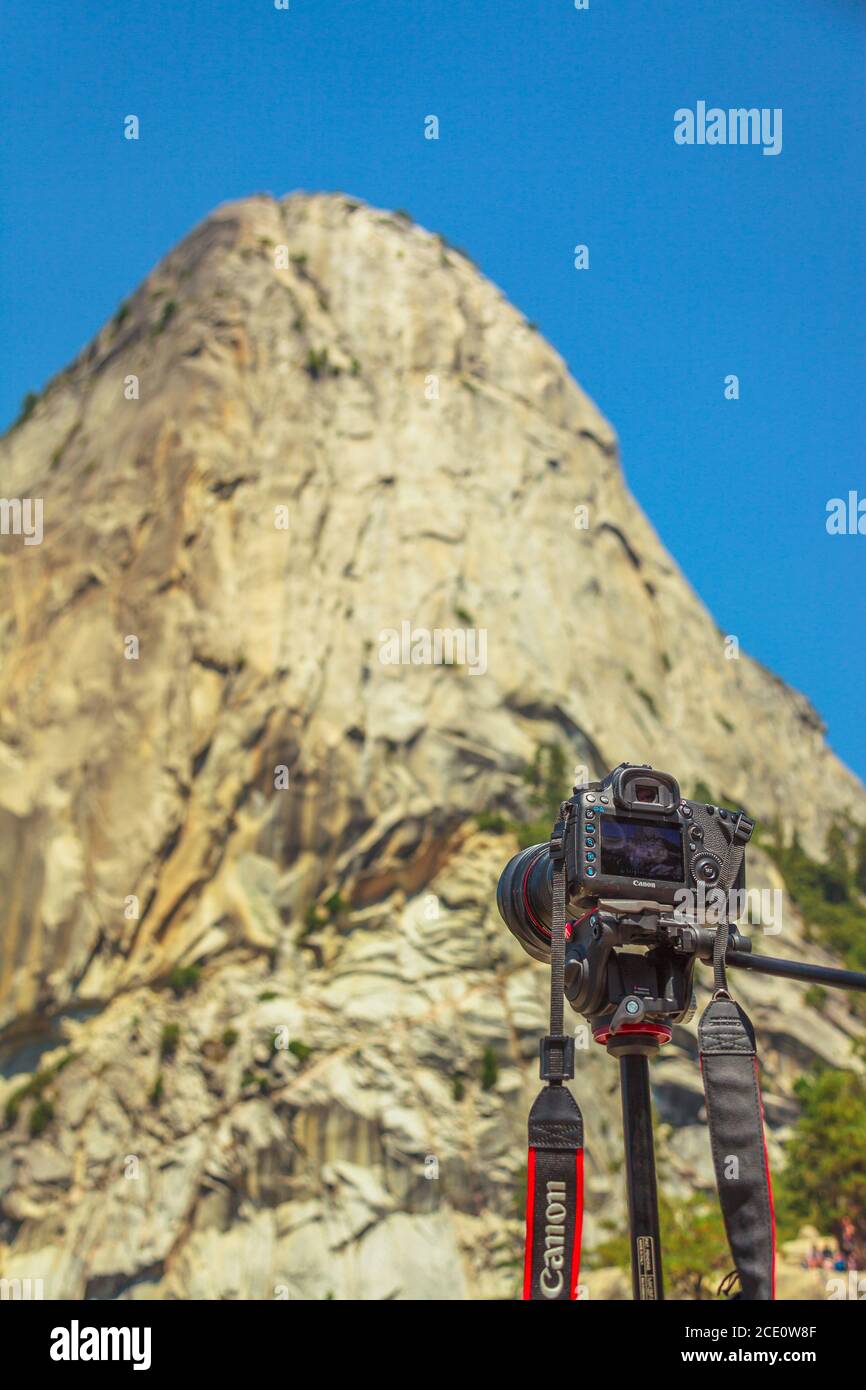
(41, 1116)
(824, 1178)
(824, 894)
(860, 860)
(695, 1254)
(168, 1043)
(489, 1069)
(550, 783)
(184, 978)
(836, 853)
(28, 405)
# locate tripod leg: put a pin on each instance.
(643, 1209)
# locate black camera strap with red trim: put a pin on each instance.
(554, 1194)
(735, 1115)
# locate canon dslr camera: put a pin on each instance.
(630, 838)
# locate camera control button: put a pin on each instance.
(706, 868)
(590, 843)
(604, 800)
(590, 812)
(723, 813)
(696, 832)
(686, 811)
(590, 873)
(589, 797)
(590, 857)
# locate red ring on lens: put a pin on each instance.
(530, 914)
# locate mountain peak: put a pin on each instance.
(334, 548)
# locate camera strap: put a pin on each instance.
(729, 1068)
(554, 1189)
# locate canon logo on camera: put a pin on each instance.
(642, 883)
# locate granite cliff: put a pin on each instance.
(262, 1033)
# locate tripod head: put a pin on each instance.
(613, 987)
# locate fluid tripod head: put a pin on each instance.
(613, 987)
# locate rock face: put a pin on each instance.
(262, 1032)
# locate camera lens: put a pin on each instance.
(524, 897)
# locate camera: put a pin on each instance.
(614, 903)
(632, 837)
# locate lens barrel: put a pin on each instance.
(524, 896)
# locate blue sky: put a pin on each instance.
(556, 128)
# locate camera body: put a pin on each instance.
(636, 837)
(632, 837)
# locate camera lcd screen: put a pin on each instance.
(632, 847)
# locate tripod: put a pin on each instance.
(631, 1000)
